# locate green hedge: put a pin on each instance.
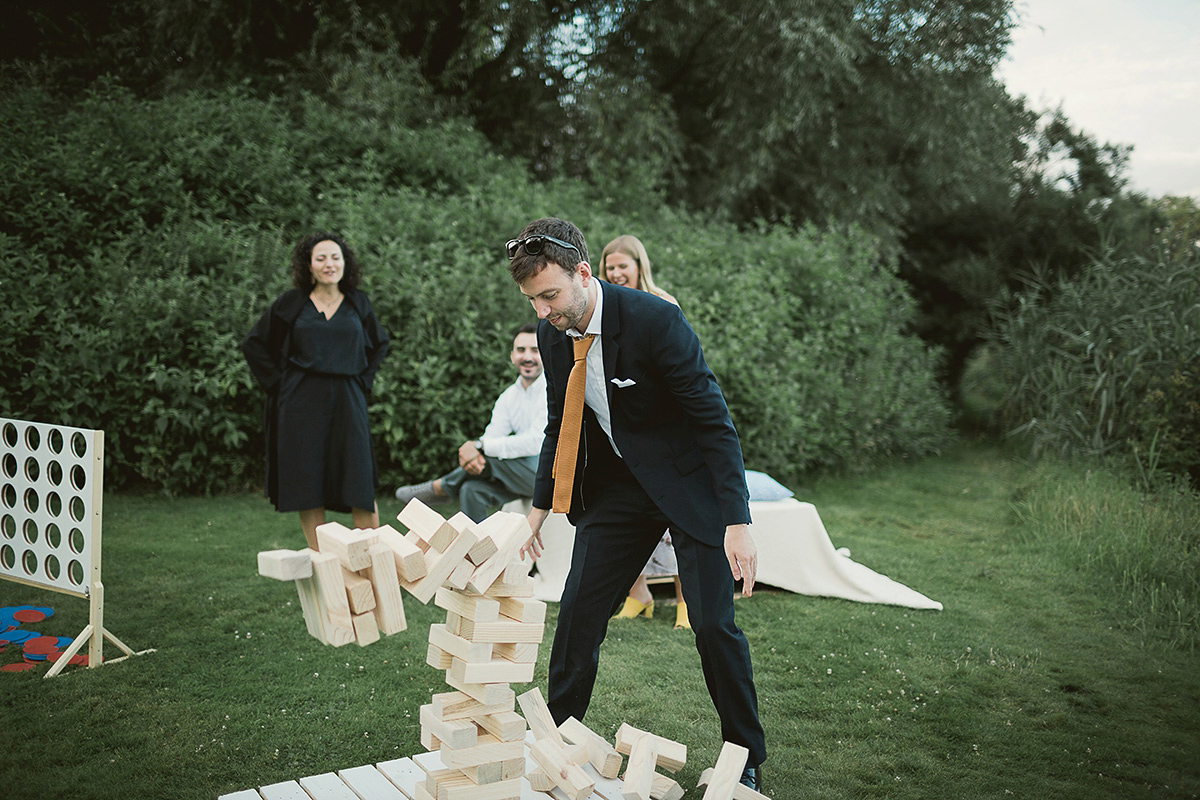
(150, 234)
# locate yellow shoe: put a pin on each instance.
(634, 607)
(681, 617)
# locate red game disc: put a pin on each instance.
(41, 644)
(29, 615)
(20, 666)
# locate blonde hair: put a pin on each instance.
(632, 247)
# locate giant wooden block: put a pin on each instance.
(727, 772)
(389, 604)
(463, 788)
(458, 646)
(438, 658)
(410, 559)
(486, 693)
(505, 631)
(473, 607)
(510, 531)
(487, 750)
(568, 777)
(602, 755)
(445, 562)
(359, 592)
(665, 788)
(537, 714)
(285, 565)
(671, 755)
(333, 608)
(497, 670)
(740, 792)
(639, 772)
(366, 630)
(311, 607)
(351, 547)
(522, 610)
(434, 529)
(459, 705)
(506, 726)
(453, 733)
(520, 652)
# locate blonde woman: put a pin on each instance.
(624, 262)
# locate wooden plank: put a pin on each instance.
(351, 547)
(601, 755)
(740, 792)
(385, 582)
(458, 705)
(727, 772)
(285, 790)
(496, 670)
(244, 794)
(368, 783)
(488, 749)
(438, 658)
(512, 584)
(453, 733)
(537, 714)
(366, 630)
(327, 786)
(403, 773)
(434, 529)
(518, 652)
(504, 631)
(359, 592)
(568, 777)
(639, 772)
(510, 531)
(410, 559)
(458, 646)
(671, 755)
(284, 565)
(665, 788)
(310, 607)
(507, 726)
(440, 570)
(336, 621)
(473, 607)
(487, 693)
(523, 610)
(466, 789)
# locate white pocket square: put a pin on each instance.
(623, 383)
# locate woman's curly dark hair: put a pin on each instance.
(302, 262)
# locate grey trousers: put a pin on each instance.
(502, 480)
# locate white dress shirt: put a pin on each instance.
(518, 423)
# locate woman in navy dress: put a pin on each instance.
(316, 351)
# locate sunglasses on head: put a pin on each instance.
(534, 245)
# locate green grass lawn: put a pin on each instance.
(1030, 684)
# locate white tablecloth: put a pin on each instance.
(794, 553)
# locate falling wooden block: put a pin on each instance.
(539, 780)
(511, 583)
(639, 772)
(665, 788)
(601, 755)
(337, 623)
(452, 733)
(389, 604)
(671, 755)
(351, 547)
(473, 607)
(410, 559)
(510, 531)
(359, 592)
(537, 714)
(434, 529)
(425, 588)
(461, 575)
(285, 565)
(740, 792)
(484, 549)
(728, 771)
(366, 630)
(568, 777)
(310, 606)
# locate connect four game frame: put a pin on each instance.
(51, 511)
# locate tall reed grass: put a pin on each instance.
(1143, 545)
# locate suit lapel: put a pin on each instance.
(610, 330)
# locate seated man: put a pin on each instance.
(500, 465)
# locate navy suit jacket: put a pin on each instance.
(671, 425)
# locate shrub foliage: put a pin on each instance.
(152, 232)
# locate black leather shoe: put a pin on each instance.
(752, 777)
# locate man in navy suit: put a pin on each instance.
(658, 450)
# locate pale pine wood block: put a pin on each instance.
(519, 652)
(440, 570)
(438, 658)
(487, 750)
(385, 582)
(485, 773)
(421, 793)
(539, 780)
(351, 547)
(665, 788)
(484, 549)
(728, 771)
(428, 524)
(367, 781)
(506, 726)
(505, 631)
(639, 772)
(466, 789)
(515, 586)
(454, 733)
(461, 575)
(431, 765)
(523, 610)
(410, 559)
(740, 792)
(601, 755)
(327, 787)
(284, 565)
(366, 630)
(359, 592)
(510, 531)
(498, 670)
(337, 623)
(487, 693)
(473, 607)
(402, 772)
(311, 608)
(458, 705)
(429, 741)
(285, 790)
(458, 646)
(568, 777)
(537, 714)
(671, 755)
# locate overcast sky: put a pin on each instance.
(1126, 71)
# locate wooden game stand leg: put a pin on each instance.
(94, 634)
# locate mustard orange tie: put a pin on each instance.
(567, 451)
